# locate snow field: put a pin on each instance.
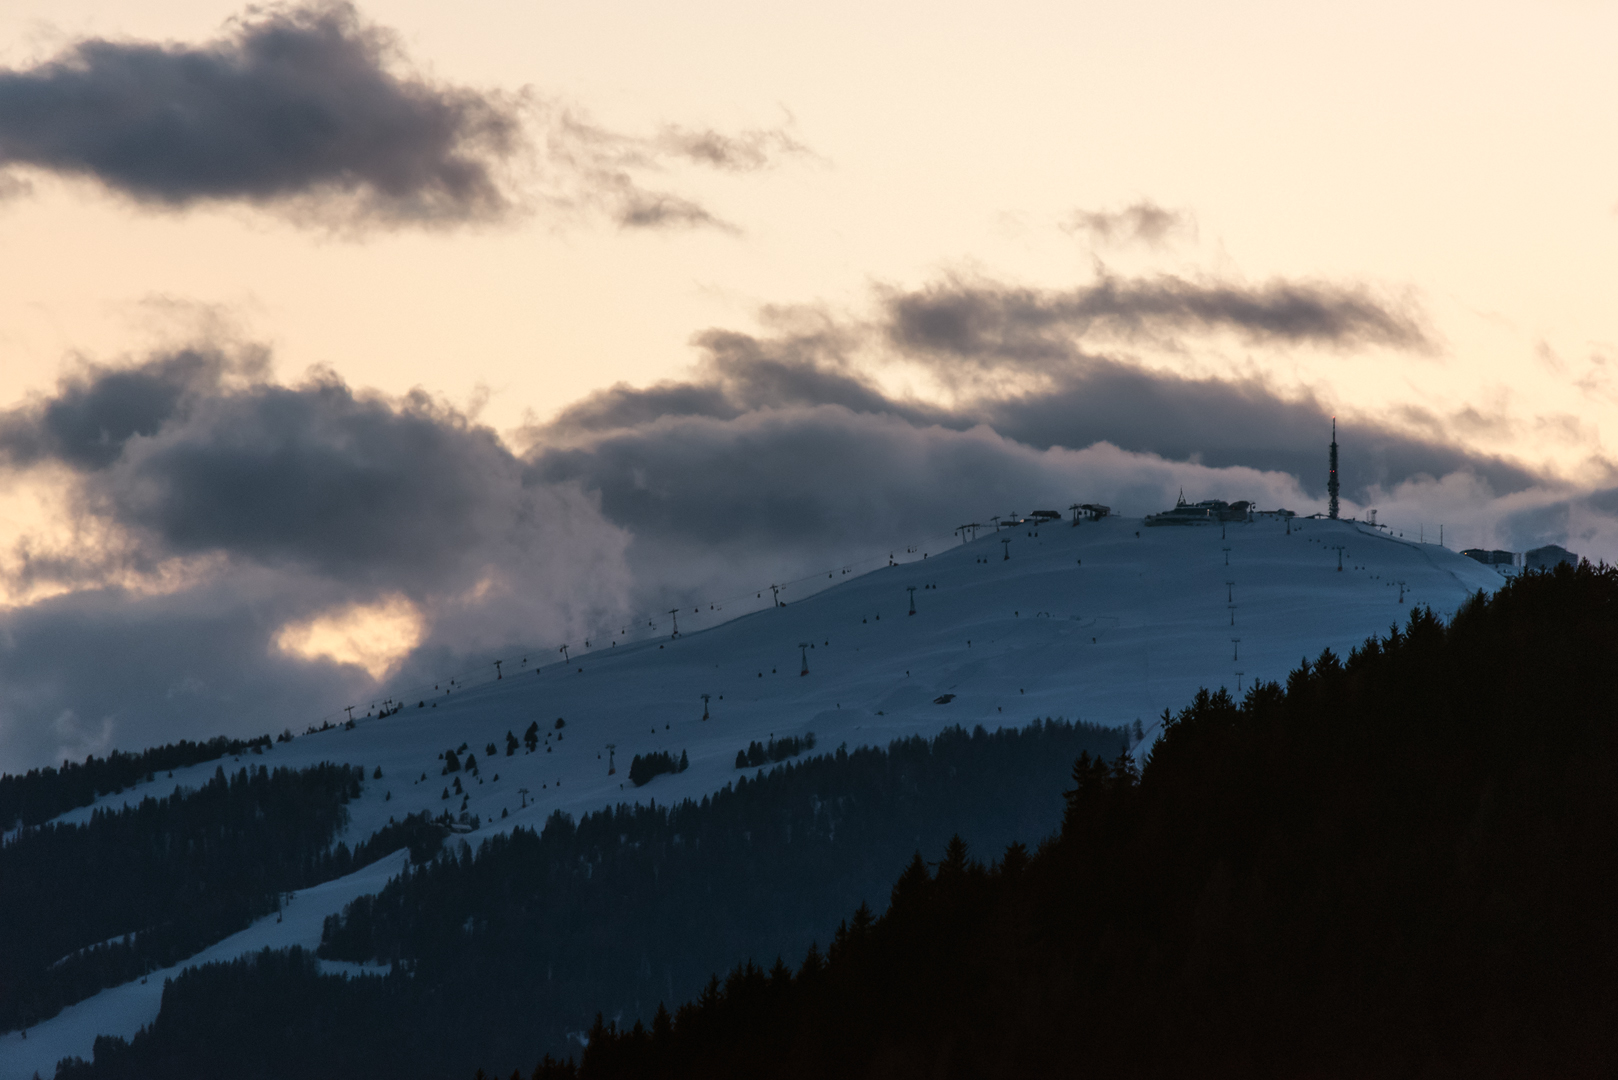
(1108, 622)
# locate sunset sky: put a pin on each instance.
(344, 346)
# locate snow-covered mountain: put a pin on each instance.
(1109, 622)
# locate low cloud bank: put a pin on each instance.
(233, 554)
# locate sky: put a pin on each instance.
(344, 346)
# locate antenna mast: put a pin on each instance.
(1331, 477)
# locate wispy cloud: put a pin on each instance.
(1143, 222)
(594, 168)
(988, 322)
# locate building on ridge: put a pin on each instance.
(1509, 562)
(1206, 512)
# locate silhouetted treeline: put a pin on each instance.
(502, 955)
(38, 795)
(93, 905)
(348, 1028)
(658, 762)
(1401, 864)
(422, 833)
(758, 753)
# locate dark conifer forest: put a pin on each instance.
(1401, 863)
(38, 795)
(643, 769)
(507, 953)
(93, 905)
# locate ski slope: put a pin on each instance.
(1108, 622)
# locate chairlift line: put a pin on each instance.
(462, 679)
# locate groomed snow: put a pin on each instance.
(1107, 622)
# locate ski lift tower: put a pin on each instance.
(612, 760)
(803, 647)
(911, 589)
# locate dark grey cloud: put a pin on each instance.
(97, 410)
(1212, 422)
(196, 456)
(212, 508)
(625, 406)
(1143, 222)
(311, 111)
(1078, 398)
(814, 477)
(1221, 423)
(306, 107)
(986, 323)
(317, 477)
(740, 373)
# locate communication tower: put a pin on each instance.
(1331, 477)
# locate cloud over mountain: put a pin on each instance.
(209, 515)
(1064, 389)
(208, 508)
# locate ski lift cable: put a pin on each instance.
(477, 675)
